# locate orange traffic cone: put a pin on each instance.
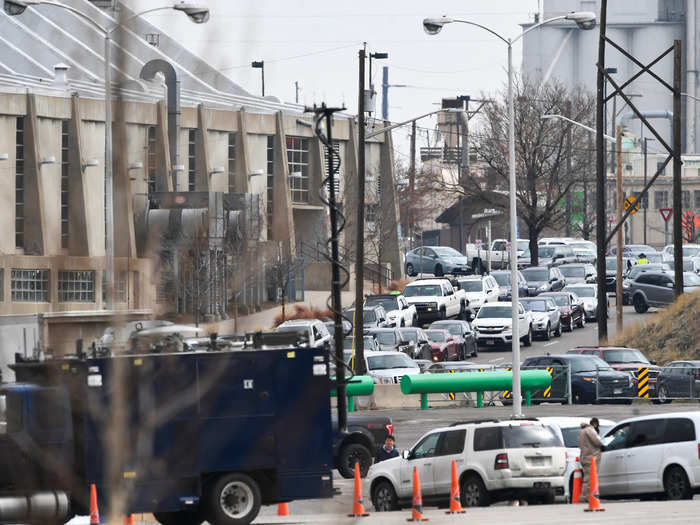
(283, 509)
(357, 509)
(593, 501)
(94, 512)
(129, 520)
(417, 510)
(455, 503)
(577, 486)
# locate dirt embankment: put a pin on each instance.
(671, 335)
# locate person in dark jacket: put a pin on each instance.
(388, 450)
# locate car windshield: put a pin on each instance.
(535, 306)
(560, 300)
(687, 265)
(503, 279)
(530, 435)
(494, 312)
(654, 257)
(436, 336)
(573, 271)
(624, 356)
(589, 363)
(636, 270)
(545, 251)
(388, 303)
(610, 264)
(691, 279)
(386, 338)
(447, 252)
(582, 291)
(410, 335)
(471, 286)
(583, 246)
(570, 434)
(691, 251)
(301, 330)
(383, 362)
(419, 290)
(523, 245)
(536, 274)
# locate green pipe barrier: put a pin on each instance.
(358, 386)
(489, 381)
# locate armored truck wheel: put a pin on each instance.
(233, 499)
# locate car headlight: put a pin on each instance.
(392, 316)
(625, 284)
(543, 287)
(590, 379)
(508, 327)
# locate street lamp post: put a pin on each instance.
(432, 26)
(260, 64)
(197, 14)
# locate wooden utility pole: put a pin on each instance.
(360, 233)
(620, 205)
(677, 166)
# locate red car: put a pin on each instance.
(570, 308)
(623, 359)
(444, 346)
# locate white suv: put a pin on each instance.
(479, 290)
(496, 461)
(316, 332)
(493, 324)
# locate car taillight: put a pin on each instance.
(501, 462)
(698, 450)
(390, 429)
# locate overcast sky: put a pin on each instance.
(316, 43)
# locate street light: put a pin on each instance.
(260, 64)
(587, 128)
(432, 26)
(197, 13)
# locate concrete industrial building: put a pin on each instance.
(193, 155)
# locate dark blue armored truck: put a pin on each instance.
(188, 437)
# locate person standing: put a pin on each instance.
(591, 445)
(388, 450)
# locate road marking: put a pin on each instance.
(550, 344)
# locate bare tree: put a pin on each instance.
(549, 162)
(284, 268)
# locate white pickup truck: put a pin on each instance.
(398, 310)
(479, 254)
(436, 298)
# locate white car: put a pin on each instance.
(435, 299)
(314, 329)
(398, 312)
(479, 290)
(496, 460)
(388, 367)
(588, 293)
(652, 455)
(493, 324)
(569, 428)
(546, 317)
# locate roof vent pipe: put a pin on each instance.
(60, 74)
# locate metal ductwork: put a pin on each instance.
(172, 82)
(40, 507)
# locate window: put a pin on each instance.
(371, 213)
(660, 165)
(488, 438)
(427, 447)
(617, 439)
(2, 284)
(65, 166)
(660, 199)
(520, 436)
(30, 285)
(298, 161)
(120, 286)
(10, 413)
(685, 199)
(191, 159)
(645, 433)
(645, 199)
(696, 195)
(678, 430)
(231, 162)
(76, 286)
(452, 442)
(151, 158)
(270, 181)
(19, 183)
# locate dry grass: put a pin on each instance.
(303, 312)
(394, 286)
(672, 334)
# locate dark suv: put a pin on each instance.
(592, 379)
(657, 289)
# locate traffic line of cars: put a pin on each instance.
(534, 459)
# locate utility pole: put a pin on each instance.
(600, 179)
(360, 227)
(620, 201)
(296, 91)
(677, 200)
(567, 225)
(411, 181)
(385, 98)
(646, 141)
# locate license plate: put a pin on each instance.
(617, 391)
(490, 342)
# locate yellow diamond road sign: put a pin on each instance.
(632, 202)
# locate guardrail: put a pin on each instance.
(478, 382)
(357, 386)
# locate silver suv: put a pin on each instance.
(657, 288)
(496, 461)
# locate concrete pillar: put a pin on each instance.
(389, 203)
(164, 168)
(35, 218)
(80, 227)
(203, 159)
(124, 235)
(241, 182)
(282, 216)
